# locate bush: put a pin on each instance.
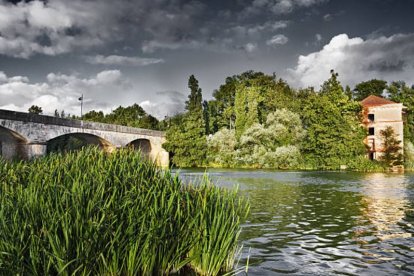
(91, 213)
(221, 147)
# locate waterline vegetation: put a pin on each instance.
(93, 213)
(258, 121)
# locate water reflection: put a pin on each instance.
(386, 205)
(312, 223)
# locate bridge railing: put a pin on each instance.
(50, 120)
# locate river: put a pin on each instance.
(324, 223)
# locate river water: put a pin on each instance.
(324, 223)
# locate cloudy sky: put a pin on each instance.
(141, 51)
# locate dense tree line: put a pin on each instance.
(133, 116)
(258, 120)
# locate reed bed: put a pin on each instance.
(92, 213)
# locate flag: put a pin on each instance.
(81, 98)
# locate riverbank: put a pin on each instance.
(93, 213)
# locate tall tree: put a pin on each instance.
(206, 116)
(371, 87)
(194, 102)
(334, 134)
(34, 109)
(187, 141)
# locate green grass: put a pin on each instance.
(92, 213)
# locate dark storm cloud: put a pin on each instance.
(384, 66)
(50, 51)
(58, 26)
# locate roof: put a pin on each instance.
(373, 100)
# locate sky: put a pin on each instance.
(143, 51)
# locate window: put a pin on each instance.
(371, 144)
(371, 131)
(371, 117)
(371, 156)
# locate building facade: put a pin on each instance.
(379, 113)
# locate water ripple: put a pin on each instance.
(313, 223)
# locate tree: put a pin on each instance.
(187, 141)
(133, 116)
(334, 133)
(56, 114)
(34, 109)
(391, 147)
(94, 116)
(221, 148)
(224, 98)
(371, 87)
(400, 92)
(274, 144)
(206, 116)
(246, 106)
(194, 102)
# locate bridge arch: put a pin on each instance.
(11, 144)
(76, 141)
(142, 144)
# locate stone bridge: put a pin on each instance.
(25, 135)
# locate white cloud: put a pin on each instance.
(276, 40)
(268, 26)
(59, 91)
(165, 103)
(356, 60)
(122, 60)
(103, 91)
(279, 6)
(250, 47)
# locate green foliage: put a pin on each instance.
(246, 106)
(186, 141)
(206, 116)
(94, 116)
(90, 213)
(221, 148)
(371, 87)
(274, 144)
(363, 164)
(408, 155)
(133, 116)
(34, 109)
(195, 98)
(254, 107)
(400, 92)
(276, 92)
(240, 111)
(391, 147)
(334, 134)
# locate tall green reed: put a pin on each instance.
(89, 213)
